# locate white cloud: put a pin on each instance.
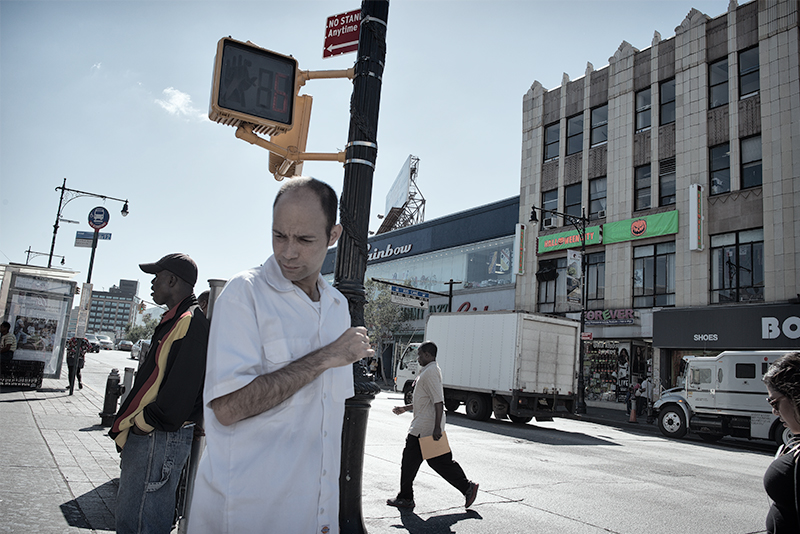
(179, 103)
(97, 66)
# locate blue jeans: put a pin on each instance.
(151, 470)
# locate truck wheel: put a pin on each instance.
(408, 395)
(671, 421)
(780, 434)
(451, 404)
(519, 420)
(478, 407)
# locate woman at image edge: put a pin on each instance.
(781, 479)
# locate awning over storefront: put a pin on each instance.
(775, 326)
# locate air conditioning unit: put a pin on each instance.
(601, 214)
(549, 222)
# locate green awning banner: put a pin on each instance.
(641, 227)
(570, 239)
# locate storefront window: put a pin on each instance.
(595, 280)
(485, 264)
(552, 295)
(654, 275)
(737, 267)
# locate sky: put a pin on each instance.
(113, 96)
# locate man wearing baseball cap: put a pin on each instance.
(154, 427)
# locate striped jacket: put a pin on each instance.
(168, 390)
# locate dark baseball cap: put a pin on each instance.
(181, 265)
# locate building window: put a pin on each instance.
(572, 200)
(737, 267)
(595, 280)
(666, 182)
(599, 125)
(574, 134)
(551, 136)
(720, 168)
(641, 188)
(643, 110)
(549, 203)
(751, 162)
(718, 83)
(748, 72)
(597, 198)
(666, 95)
(654, 275)
(552, 295)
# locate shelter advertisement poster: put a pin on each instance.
(37, 309)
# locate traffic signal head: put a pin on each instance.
(253, 85)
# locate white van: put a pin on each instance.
(721, 396)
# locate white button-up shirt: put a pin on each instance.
(277, 471)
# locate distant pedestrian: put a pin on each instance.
(781, 480)
(202, 301)
(8, 342)
(77, 347)
(429, 419)
(154, 427)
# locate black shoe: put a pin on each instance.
(401, 503)
(80, 385)
(472, 492)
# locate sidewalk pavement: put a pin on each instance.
(59, 467)
(60, 470)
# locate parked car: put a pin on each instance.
(124, 344)
(94, 341)
(140, 348)
(106, 343)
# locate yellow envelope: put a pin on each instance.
(432, 448)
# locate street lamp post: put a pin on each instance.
(580, 224)
(35, 254)
(72, 195)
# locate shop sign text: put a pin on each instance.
(771, 327)
(388, 252)
(610, 317)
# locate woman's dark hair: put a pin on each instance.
(325, 193)
(783, 376)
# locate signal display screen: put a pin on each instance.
(257, 82)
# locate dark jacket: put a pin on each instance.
(168, 390)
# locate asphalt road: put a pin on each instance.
(563, 476)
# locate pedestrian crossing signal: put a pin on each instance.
(253, 85)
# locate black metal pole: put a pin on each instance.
(91, 260)
(55, 226)
(581, 407)
(351, 255)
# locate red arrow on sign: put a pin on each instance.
(341, 34)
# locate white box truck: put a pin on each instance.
(513, 364)
(722, 396)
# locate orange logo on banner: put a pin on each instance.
(638, 227)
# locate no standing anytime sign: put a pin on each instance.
(341, 33)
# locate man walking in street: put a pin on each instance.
(428, 408)
(155, 425)
(278, 375)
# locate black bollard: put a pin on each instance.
(113, 392)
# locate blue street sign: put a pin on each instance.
(90, 235)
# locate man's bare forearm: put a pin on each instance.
(267, 391)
